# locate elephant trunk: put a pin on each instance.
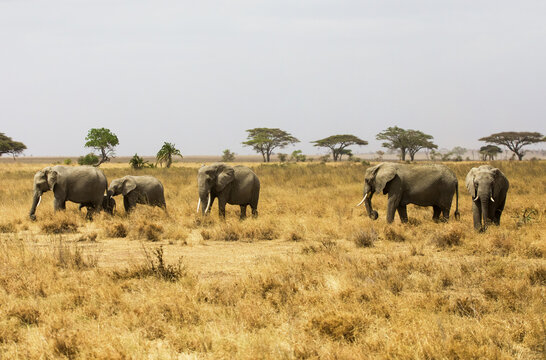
(204, 198)
(485, 210)
(35, 201)
(368, 203)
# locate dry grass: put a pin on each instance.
(312, 277)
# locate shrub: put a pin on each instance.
(149, 230)
(393, 235)
(154, 266)
(7, 227)
(89, 159)
(137, 162)
(228, 156)
(67, 161)
(59, 225)
(282, 157)
(365, 238)
(447, 239)
(116, 230)
(538, 276)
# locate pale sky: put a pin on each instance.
(198, 73)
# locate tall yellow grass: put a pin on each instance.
(312, 277)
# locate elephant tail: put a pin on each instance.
(457, 214)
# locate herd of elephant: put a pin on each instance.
(424, 185)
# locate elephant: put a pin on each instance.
(423, 185)
(488, 187)
(234, 185)
(78, 184)
(138, 190)
(108, 205)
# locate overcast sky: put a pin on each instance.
(198, 73)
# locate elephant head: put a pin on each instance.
(44, 180)
(376, 180)
(212, 179)
(484, 185)
(122, 186)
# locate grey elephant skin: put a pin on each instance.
(108, 205)
(423, 185)
(138, 190)
(78, 184)
(488, 187)
(234, 185)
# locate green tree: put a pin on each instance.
(8, 146)
(265, 140)
(515, 141)
(490, 152)
(298, 156)
(104, 141)
(89, 159)
(137, 162)
(458, 152)
(406, 141)
(166, 153)
(338, 143)
(228, 156)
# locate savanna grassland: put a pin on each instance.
(311, 277)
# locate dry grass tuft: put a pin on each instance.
(8, 227)
(155, 266)
(60, 223)
(338, 326)
(447, 238)
(538, 276)
(115, 229)
(90, 237)
(365, 238)
(393, 235)
(27, 314)
(69, 255)
(148, 230)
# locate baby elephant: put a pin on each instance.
(488, 187)
(138, 190)
(108, 205)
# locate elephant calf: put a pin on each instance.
(423, 185)
(234, 185)
(138, 190)
(108, 205)
(488, 187)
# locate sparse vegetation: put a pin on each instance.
(104, 141)
(228, 156)
(166, 153)
(311, 264)
(265, 140)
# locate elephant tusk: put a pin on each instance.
(364, 198)
(492, 199)
(198, 204)
(476, 198)
(39, 201)
(208, 205)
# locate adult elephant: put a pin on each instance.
(423, 185)
(488, 187)
(79, 184)
(138, 190)
(234, 185)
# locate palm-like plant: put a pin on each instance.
(166, 153)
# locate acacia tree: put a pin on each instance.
(104, 141)
(406, 141)
(166, 153)
(8, 146)
(515, 141)
(338, 143)
(265, 140)
(490, 151)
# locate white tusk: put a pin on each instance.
(198, 204)
(476, 198)
(364, 198)
(39, 201)
(492, 199)
(208, 205)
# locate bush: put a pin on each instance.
(89, 159)
(297, 156)
(282, 157)
(67, 161)
(116, 230)
(228, 156)
(154, 267)
(59, 225)
(149, 230)
(447, 239)
(365, 238)
(137, 162)
(392, 235)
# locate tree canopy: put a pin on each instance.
(9, 146)
(515, 141)
(490, 152)
(406, 141)
(166, 153)
(104, 141)
(265, 140)
(338, 143)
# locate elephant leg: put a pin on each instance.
(129, 202)
(254, 211)
(59, 204)
(392, 205)
(436, 212)
(445, 214)
(403, 213)
(222, 208)
(243, 212)
(212, 202)
(477, 215)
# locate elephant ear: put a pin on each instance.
(226, 175)
(52, 176)
(129, 185)
(469, 182)
(383, 175)
(499, 181)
